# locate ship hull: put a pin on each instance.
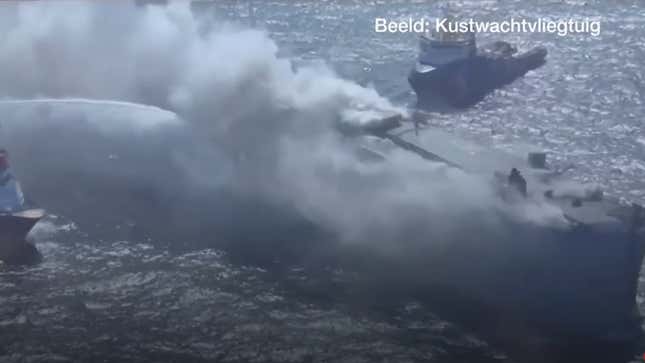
(464, 83)
(14, 248)
(528, 287)
(573, 276)
(577, 283)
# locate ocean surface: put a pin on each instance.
(108, 299)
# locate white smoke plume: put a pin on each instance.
(238, 117)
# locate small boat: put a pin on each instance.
(452, 73)
(17, 218)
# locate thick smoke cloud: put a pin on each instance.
(230, 115)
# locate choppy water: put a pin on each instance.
(131, 301)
